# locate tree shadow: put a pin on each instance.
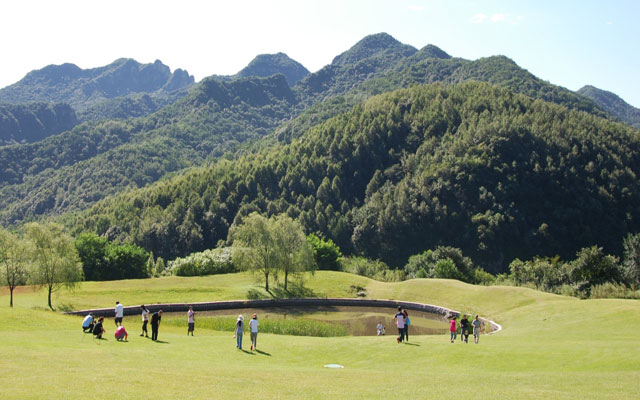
(292, 291)
(264, 353)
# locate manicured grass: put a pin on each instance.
(551, 347)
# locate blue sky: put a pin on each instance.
(569, 43)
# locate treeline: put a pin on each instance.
(498, 175)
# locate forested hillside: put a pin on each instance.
(27, 123)
(613, 104)
(497, 174)
(94, 160)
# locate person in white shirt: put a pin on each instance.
(87, 323)
(190, 321)
(399, 318)
(119, 313)
(145, 321)
(253, 325)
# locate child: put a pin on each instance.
(452, 329)
(379, 328)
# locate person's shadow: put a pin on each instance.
(247, 352)
(264, 353)
(160, 341)
(412, 344)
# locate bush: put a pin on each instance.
(613, 291)
(208, 262)
(326, 253)
(374, 269)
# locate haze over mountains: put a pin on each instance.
(143, 124)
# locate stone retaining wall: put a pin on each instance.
(271, 303)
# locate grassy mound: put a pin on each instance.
(551, 346)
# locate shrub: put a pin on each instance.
(611, 290)
(208, 262)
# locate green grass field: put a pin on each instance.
(551, 347)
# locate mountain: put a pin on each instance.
(498, 174)
(27, 123)
(613, 104)
(266, 65)
(83, 88)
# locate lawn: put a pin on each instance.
(550, 347)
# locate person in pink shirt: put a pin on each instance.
(121, 333)
(452, 329)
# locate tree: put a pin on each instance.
(326, 253)
(14, 257)
(253, 246)
(592, 267)
(631, 263)
(91, 250)
(292, 250)
(56, 261)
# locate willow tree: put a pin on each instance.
(253, 246)
(56, 263)
(14, 258)
(294, 253)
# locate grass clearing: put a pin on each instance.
(551, 346)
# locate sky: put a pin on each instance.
(569, 43)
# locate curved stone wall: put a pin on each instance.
(270, 303)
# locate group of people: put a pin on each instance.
(90, 325)
(253, 327)
(476, 324)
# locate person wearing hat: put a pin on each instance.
(253, 325)
(238, 332)
(156, 317)
(87, 323)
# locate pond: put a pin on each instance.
(356, 321)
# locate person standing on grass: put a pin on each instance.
(237, 334)
(190, 320)
(156, 317)
(119, 313)
(399, 318)
(145, 320)
(452, 329)
(253, 325)
(407, 322)
(477, 326)
(379, 328)
(464, 329)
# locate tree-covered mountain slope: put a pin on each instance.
(84, 88)
(27, 123)
(497, 174)
(74, 169)
(613, 104)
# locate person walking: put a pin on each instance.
(238, 332)
(477, 326)
(156, 317)
(145, 321)
(407, 322)
(190, 321)
(464, 329)
(399, 319)
(119, 313)
(253, 326)
(452, 329)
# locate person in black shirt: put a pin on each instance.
(155, 322)
(98, 329)
(464, 329)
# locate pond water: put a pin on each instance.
(359, 321)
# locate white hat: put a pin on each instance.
(240, 317)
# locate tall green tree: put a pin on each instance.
(326, 253)
(253, 246)
(14, 258)
(55, 258)
(631, 260)
(293, 252)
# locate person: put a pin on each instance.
(452, 329)
(399, 318)
(145, 321)
(98, 329)
(464, 329)
(87, 323)
(156, 317)
(379, 328)
(238, 332)
(477, 326)
(190, 321)
(121, 333)
(253, 326)
(407, 322)
(119, 313)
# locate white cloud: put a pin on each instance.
(415, 7)
(497, 17)
(478, 18)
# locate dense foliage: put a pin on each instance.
(208, 262)
(104, 260)
(27, 123)
(498, 175)
(613, 104)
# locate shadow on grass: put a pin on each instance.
(65, 307)
(411, 344)
(247, 352)
(160, 341)
(293, 291)
(264, 353)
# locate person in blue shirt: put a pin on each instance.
(87, 323)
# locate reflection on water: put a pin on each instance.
(359, 321)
